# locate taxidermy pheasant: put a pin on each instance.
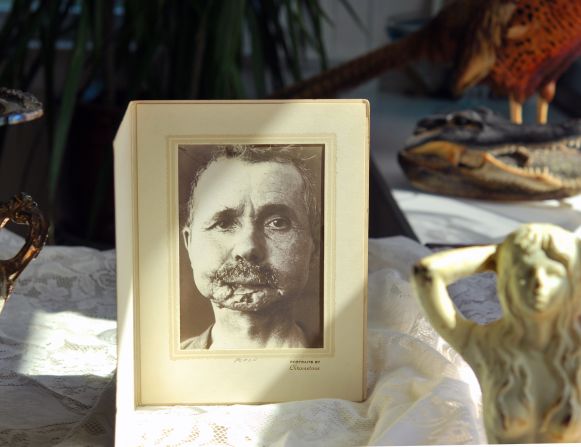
(517, 47)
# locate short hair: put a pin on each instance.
(267, 153)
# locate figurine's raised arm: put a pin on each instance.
(432, 274)
(528, 361)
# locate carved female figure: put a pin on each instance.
(528, 362)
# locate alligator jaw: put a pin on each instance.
(445, 167)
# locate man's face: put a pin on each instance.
(249, 243)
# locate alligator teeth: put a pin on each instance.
(574, 143)
(538, 170)
(570, 183)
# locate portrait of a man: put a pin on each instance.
(251, 256)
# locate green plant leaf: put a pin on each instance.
(67, 105)
(315, 13)
(256, 54)
(353, 14)
(294, 33)
(155, 49)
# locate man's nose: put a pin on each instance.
(249, 245)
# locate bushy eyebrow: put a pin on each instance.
(223, 214)
(264, 212)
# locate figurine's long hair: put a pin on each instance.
(510, 387)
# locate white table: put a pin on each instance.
(58, 351)
(58, 354)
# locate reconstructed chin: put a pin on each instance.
(245, 298)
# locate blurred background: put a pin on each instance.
(85, 60)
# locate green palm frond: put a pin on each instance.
(119, 50)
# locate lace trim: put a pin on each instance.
(58, 356)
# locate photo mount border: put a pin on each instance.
(328, 141)
(137, 127)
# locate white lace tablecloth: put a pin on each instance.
(58, 352)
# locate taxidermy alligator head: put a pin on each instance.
(476, 153)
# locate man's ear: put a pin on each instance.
(315, 252)
(186, 234)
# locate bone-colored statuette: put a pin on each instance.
(528, 362)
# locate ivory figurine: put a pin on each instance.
(528, 362)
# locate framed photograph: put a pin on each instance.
(241, 251)
(248, 270)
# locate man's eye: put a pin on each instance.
(223, 224)
(278, 223)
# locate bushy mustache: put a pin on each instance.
(245, 272)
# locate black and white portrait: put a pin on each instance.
(251, 255)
